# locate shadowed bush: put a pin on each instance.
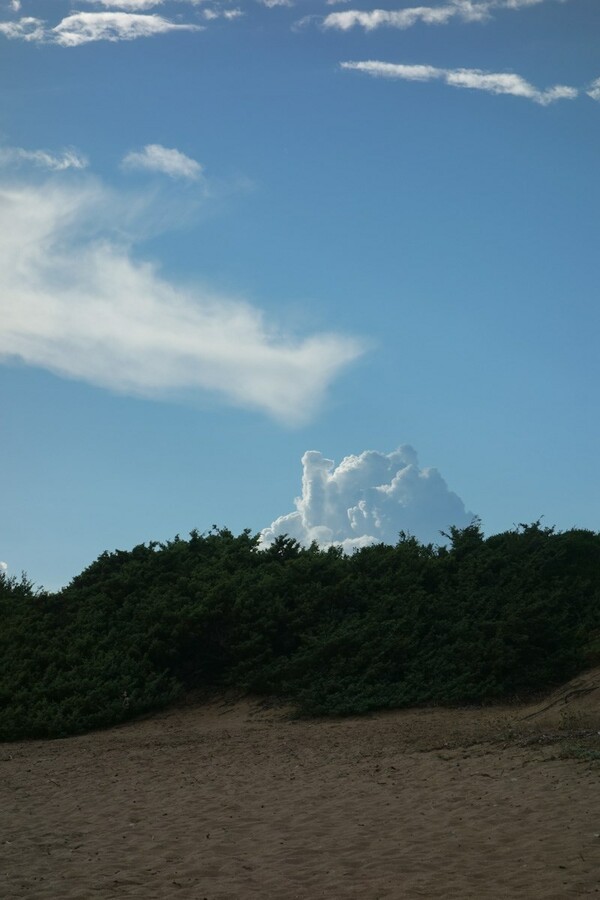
(474, 622)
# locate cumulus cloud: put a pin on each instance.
(594, 90)
(455, 10)
(156, 158)
(57, 162)
(76, 301)
(476, 79)
(3, 567)
(369, 499)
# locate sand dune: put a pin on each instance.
(232, 799)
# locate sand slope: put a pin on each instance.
(232, 800)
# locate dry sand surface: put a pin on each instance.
(235, 800)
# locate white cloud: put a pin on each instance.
(26, 29)
(3, 567)
(476, 79)
(395, 70)
(156, 158)
(15, 5)
(594, 90)
(271, 4)
(136, 5)
(455, 10)
(406, 18)
(507, 83)
(128, 5)
(83, 27)
(57, 162)
(219, 13)
(521, 4)
(75, 301)
(369, 499)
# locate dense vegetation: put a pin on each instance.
(476, 621)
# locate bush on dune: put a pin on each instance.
(473, 622)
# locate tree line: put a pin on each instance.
(471, 622)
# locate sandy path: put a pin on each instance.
(234, 801)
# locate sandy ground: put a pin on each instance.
(233, 800)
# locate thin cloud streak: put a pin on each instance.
(457, 10)
(75, 301)
(406, 18)
(138, 5)
(126, 5)
(55, 162)
(168, 161)
(81, 28)
(475, 79)
(271, 4)
(85, 27)
(229, 14)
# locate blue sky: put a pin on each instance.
(234, 233)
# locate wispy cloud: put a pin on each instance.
(476, 79)
(593, 90)
(25, 29)
(271, 4)
(211, 13)
(84, 27)
(138, 5)
(76, 301)
(406, 18)
(369, 499)
(456, 10)
(81, 27)
(57, 162)
(168, 161)
(126, 5)
(521, 4)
